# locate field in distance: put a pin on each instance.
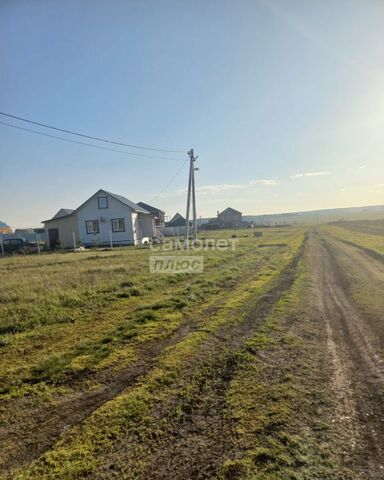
(268, 365)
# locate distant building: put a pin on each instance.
(175, 227)
(23, 232)
(159, 215)
(103, 218)
(176, 221)
(4, 228)
(230, 218)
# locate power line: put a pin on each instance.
(170, 181)
(89, 136)
(84, 143)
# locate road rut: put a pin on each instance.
(358, 380)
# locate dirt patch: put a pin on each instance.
(367, 260)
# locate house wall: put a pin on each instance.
(230, 219)
(136, 228)
(146, 225)
(90, 211)
(67, 226)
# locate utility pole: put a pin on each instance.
(191, 193)
(194, 203)
(38, 243)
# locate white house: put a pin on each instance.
(103, 218)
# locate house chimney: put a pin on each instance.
(218, 212)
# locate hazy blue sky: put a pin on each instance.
(282, 100)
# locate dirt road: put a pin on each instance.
(355, 352)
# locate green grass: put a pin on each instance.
(359, 235)
(117, 309)
(372, 227)
(67, 306)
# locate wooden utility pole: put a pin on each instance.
(191, 193)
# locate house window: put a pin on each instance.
(92, 226)
(118, 225)
(102, 202)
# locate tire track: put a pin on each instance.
(196, 441)
(23, 443)
(50, 421)
(358, 381)
(368, 251)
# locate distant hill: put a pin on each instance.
(374, 212)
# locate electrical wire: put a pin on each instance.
(170, 181)
(89, 136)
(84, 143)
(97, 146)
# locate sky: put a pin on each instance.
(282, 101)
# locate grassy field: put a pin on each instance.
(109, 371)
(368, 235)
(371, 227)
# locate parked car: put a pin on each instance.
(19, 245)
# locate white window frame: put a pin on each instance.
(90, 227)
(106, 203)
(117, 229)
